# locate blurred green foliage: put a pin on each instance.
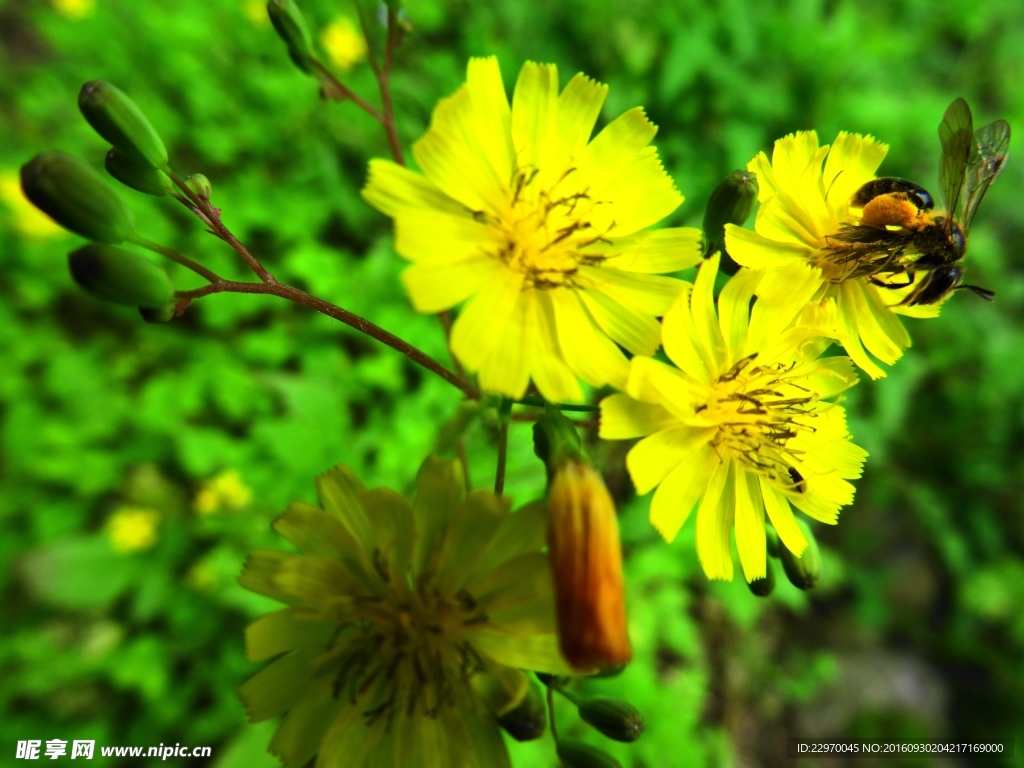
(916, 629)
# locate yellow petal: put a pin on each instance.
(479, 326)
(656, 251)
(714, 524)
(782, 296)
(851, 162)
(553, 377)
(791, 156)
(652, 381)
(579, 106)
(391, 188)
(734, 310)
(679, 492)
(588, 351)
(440, 238)
(655, 456)
(616, 146)
(679, 335)
(534, 115)
(756, 251)
(640, 195)
(709, 339)
(536, 652)
(750, 533)
(437, 287)
(507, 368)
(623, 418)
(298, 737)
(626, 324)
(493, 118)
(781, 515)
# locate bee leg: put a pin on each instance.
(893, 286)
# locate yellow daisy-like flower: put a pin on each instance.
(407, 626)
(805, 194)
(743, 425)
(539, 228)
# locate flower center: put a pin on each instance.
(544, 229)
(758, 409)
(407, 654)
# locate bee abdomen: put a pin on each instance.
(885, 185)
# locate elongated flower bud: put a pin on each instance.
(614, 718)
(586, 557)
(117, 119)
(804, 571)
(730, 203)
(291, 27)
(526, 721)
(74, 195)
(121, 277)
(764, 586)
(141, 177)
(576, 754)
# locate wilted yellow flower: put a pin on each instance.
(407, 623)
(539, 229)
(805, 195)
(224, 491)
(27, 219)
(344, 43)
(744, 424)
(132, 529)
(74, 9)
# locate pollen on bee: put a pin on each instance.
(893, 210)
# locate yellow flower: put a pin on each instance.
(74, 9)
(225, 491)
(743, 425)
(256, 12)
(344, 43)
(407, 626)
(538, 229)
(805, 194)
(27, 219)
(132, 529)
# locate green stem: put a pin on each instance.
(570, 696)
(551, 713)
(173, 255)
(504, 411)
(540, 402)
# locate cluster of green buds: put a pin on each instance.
(613, 718)
(78, 198)
(803, 570)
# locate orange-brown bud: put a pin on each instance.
(586, 557)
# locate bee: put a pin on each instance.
(900, 233)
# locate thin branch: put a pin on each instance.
(540, 402)
(338, 91)
(211, 216)
(383, 75)
(173, 255)
(343, 315)
(499, 477)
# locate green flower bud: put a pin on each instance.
(74, 195)
(526, 720)
(804, 571)
(200, 185)
(121, 277)
(116, 118)
(291, 27)
(162, 314)
(765, 586)
(616, 719)
(576, 754)
(730, 203)
(139, 176)
(772, 540)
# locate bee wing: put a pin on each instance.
(986, 161)
(956, 133)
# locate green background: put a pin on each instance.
(916, 630)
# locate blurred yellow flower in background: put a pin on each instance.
(27, 219)
(539, 229)
(256, 12)
(74, 9)
(344, 43)
(224, 491)
(132, 529)
(744, 423)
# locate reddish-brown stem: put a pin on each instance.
(343, 315)
(383, 75)
(173, 255)
(211, 216)
(338, 91)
